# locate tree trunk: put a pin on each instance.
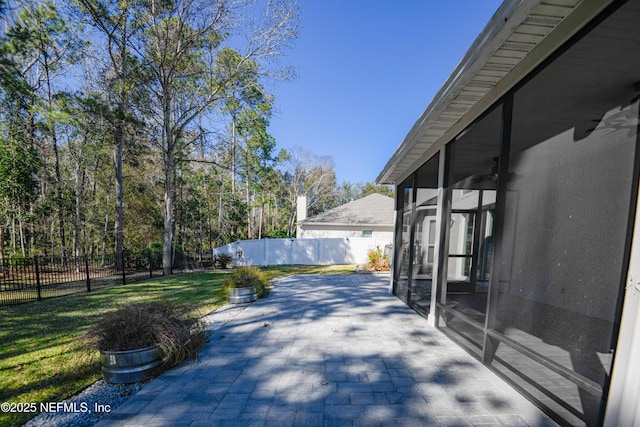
(233, 154)
(13, 233)
(260, 221)
(249, 208)
(169, 165)
(219, 217)
(117, 225)
(200, 231)
(167, 235)
(79, 187)
(20, 230)
(122, 75)
(59, 204)
(2, 246)
(32, 231)
(105, 236)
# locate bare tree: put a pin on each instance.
(310, 175)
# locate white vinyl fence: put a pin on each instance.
(321, 251)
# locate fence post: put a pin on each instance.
(124, 275)
(86, 269)
(35, 261)
(265, 254)
(150, 265)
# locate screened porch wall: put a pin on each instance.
(539, 193)
(402, 239)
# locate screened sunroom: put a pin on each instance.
(516, 195)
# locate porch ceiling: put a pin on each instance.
(521, 34)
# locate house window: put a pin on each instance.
(367, 233)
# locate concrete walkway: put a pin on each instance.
(328, 351)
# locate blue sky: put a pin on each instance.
(366, 71)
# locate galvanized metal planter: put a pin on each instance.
(239, 295)
(130, 366)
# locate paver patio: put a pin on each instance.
(325, 350)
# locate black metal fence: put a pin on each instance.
(32, 279)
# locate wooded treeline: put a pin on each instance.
(129, 122)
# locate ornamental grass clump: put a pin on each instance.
(246, 277)
(179, 333)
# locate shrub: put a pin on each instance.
(377, 260)
(172, 327)
(223, 261)
(276, 234)
(245, 277)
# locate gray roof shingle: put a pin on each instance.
(374, 209)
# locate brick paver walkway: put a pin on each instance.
(328, 351)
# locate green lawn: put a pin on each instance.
(40, 358)
(276, 271)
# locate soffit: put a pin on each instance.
(521, 34)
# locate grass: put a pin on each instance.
(40, 358)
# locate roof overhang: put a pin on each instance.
(520, 35)
(340, 224)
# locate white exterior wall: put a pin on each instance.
(314, 231)
(301, 251)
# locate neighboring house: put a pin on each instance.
(371, 216)
(517, 208)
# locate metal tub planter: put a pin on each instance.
(246, 284)
(240, 295)
(130, 366)
(138, 341)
